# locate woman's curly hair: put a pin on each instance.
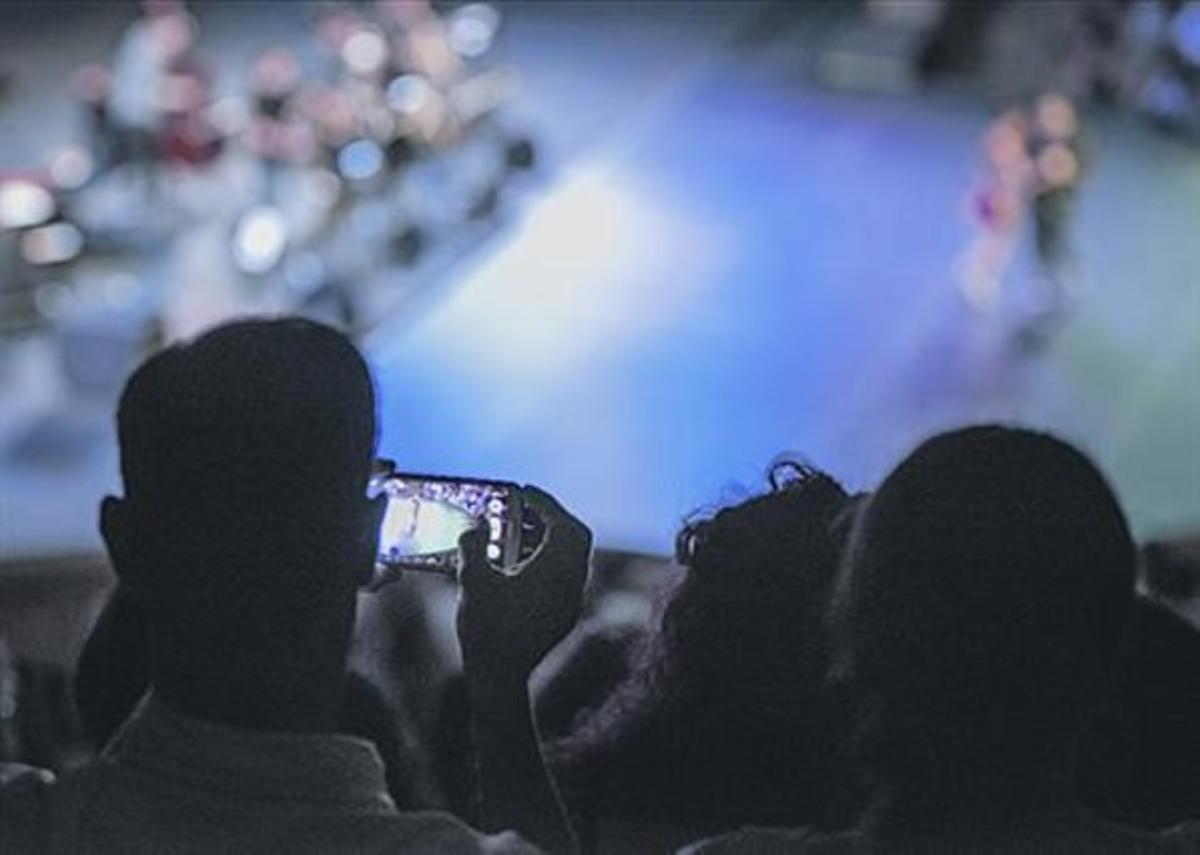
(717, 721)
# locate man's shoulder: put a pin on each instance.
(28, 797)
(770, 841)
(1090, 838)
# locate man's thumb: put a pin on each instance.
(472, 550)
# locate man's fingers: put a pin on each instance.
(473, 542)
(561, 527)
(562, 553)
(532, 559)
(546, 505)
(472, 553)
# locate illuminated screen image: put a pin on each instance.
(425, 518)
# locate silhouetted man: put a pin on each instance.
(979, 612)
(244, 535)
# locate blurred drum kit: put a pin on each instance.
(387, 145)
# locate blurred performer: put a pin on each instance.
(425, 45)
(93, 89)
(135, 80)
(276, 137)
(148, 50)
(1033, 164)
(997, 207)
(1054, 146)
(189, 138)
(331, 113)
(419, 41)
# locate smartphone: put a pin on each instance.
(426, 515)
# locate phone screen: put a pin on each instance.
(426, 515)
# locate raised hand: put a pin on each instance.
(509, 621)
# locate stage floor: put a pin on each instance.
(721, 263)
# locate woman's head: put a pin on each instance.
(722, 695)
(756, 583)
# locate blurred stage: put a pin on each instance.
(716, 263)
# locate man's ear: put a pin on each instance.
(116, 527)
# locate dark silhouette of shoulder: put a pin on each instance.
(1065, 837)
(1140, 759)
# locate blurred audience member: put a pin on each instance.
(718, 723)
(137, 90)
(506, 626)
(1140, 759)
(976, 622)
(245, 534)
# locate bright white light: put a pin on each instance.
(413, 527)
(71, 167)
(364, 52)
(596, 262)
(229, 115)
(24, 204)
(473, 29)
(53, 244)
(408, 93)
(360, 160)
(259, 239)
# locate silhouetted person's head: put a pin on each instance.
(757, 584)
(716, 726)
(978, 614)
(245, 529)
